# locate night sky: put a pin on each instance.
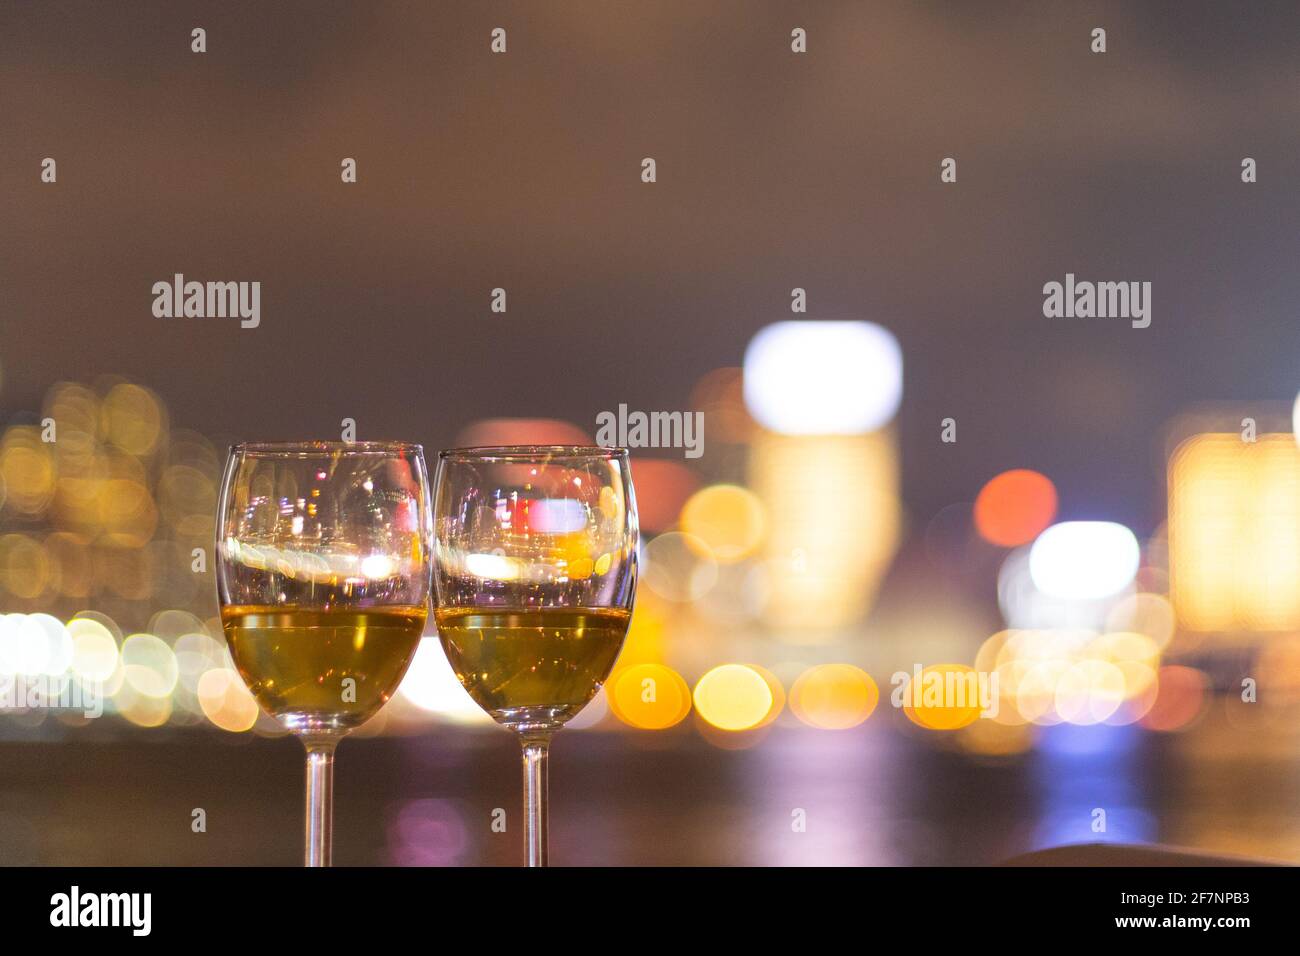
(775, 170)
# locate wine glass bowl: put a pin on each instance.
(532, 670)
(535, 572)
(295, 662)
(535, 558)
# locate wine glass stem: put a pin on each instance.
(536, 754)
(320, 804)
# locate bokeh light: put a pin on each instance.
(1015, 507)
(810, 377)
(149, 666)
(662, 487)
(834, 525)
(944, 697)
(431, 685)
(649, 696)
(833, 696)
(678, 567)
(734, 697)
(94, 650)
(226, 701)
(523, 431)
(727, 519)
(1149, 614)
(1084, 559)
(1234, 532)
(1180, 698)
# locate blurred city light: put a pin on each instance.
(1180, 699)
(94, 651)
(1075, 676)
(431, 685)
(1148, 614)
(734, 697)
(728, 519)
(678, 567)
(835, 521)
(662, 487)
(834, 696)
(720, 396)
(1026, 606)
(1082, 560)
(1090, 692)
(428, 832)
(523, 431)
(1234, 532)
(1015, 507)
(787, 540)
(943, 697)
(649, 696)
(149, 666)
(226, 701)
(823, 378)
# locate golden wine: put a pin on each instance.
(532, 663)
(327, 669)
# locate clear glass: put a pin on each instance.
(323, 576)
(535, 559)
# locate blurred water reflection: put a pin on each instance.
(871, 796)
(839, 787)
(427, 833)
(1092, 787)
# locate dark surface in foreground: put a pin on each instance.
(870, 796)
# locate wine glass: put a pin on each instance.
(323, 576)
(535, 557)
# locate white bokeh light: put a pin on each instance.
(1081, 560)
(431, 685)
(823, 378)
(557, 515)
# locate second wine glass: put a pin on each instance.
(535, 557)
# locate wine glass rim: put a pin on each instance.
(531, 452)
(306, 449)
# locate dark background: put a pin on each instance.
(775, 170)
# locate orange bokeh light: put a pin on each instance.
(1015, 507)
(1179, 699)
(662, 487)
(946, 698)
(522, 431)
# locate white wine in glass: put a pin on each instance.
(296, 660)
(519, 659)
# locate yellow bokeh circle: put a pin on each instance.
(834, 696)
(734, 697)
(728, 519)
(945, 698)
(649, 696)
